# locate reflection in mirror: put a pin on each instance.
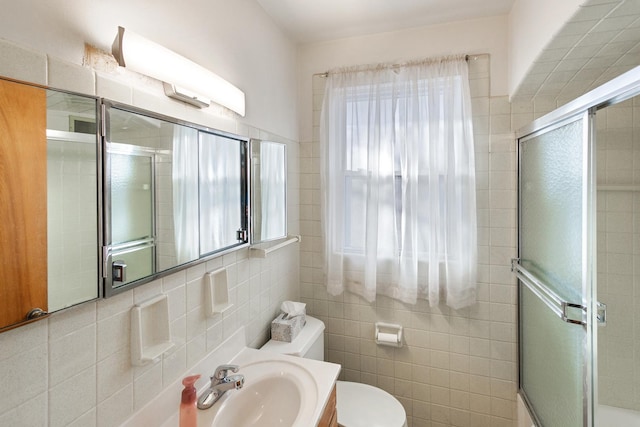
(72, 199)
(175, 193)
(152, 166)
(269, 190)
(221, 192)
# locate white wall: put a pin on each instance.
(532, 25)
(488, 35)
(236, 40)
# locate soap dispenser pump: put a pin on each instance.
(188, 409)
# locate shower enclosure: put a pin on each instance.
(578, 259)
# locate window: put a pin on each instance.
(399, 183)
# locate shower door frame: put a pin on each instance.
(617, 90)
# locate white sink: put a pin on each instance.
(276, 393)
(277, 389)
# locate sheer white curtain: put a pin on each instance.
(398, 182)
(185, 193)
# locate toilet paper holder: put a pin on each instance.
(389, 334)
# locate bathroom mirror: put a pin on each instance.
(223, 192)
(48, 201)
(72, 199)
(268, 190)
(174, 194)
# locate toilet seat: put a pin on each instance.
(362, 405)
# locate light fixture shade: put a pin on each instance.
(146, 57)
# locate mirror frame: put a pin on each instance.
(106, 274)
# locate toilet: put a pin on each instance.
(358, 405)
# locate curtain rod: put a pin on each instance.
(467, 58)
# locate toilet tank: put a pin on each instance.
(308, 344)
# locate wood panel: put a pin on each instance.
(23, 201)
(330, 416)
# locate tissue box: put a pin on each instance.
(287, 329)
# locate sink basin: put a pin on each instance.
(276, 393)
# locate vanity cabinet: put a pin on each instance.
(23, 202)
(330, 415)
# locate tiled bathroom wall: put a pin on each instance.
(457, 368)
(618, 252)
(74, 368)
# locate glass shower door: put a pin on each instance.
(554, 271)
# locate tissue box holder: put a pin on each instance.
(287, 329)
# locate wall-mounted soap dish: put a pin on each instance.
(150, 331)
(216, 285)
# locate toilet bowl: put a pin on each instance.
(358, 405)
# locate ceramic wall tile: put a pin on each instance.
(71, 77)
(22, 63)
(72, 398)
(71, 353)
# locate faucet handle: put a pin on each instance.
(223, 370)
(236, 380)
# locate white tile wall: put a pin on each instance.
(73, 369)
(458, 368)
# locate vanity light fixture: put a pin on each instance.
(185, 79)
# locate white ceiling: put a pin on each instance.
(318, 20)
(600, 42)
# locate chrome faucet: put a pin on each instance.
(220, 384)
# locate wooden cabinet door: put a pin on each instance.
(329, 417)
(23, 201)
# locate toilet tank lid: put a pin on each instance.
(301, 344)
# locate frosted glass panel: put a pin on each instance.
(552, 363)
(552, 352)
(618, 233)
(551, 172)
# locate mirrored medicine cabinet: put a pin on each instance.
(268, 191)
(175, 193)
(94, 204)
(49, 201)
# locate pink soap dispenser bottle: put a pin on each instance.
(188, 409)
